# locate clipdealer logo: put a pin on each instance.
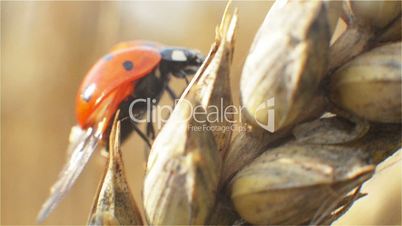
(267, 106)
(214, 115)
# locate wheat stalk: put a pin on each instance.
(310, 169)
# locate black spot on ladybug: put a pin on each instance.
(128, 65)
(108, 57)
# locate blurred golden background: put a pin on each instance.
(46, 49)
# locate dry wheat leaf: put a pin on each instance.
(114, 203)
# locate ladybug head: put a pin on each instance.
(181, 62)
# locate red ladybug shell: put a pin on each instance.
(112, 79)
(143, 43)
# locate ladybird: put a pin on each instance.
(131, 70)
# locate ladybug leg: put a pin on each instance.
(171, 93)
(182, 74)
(186, 79)
(150, 134)
(128, 127)
(142, 135)
(150, 131)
